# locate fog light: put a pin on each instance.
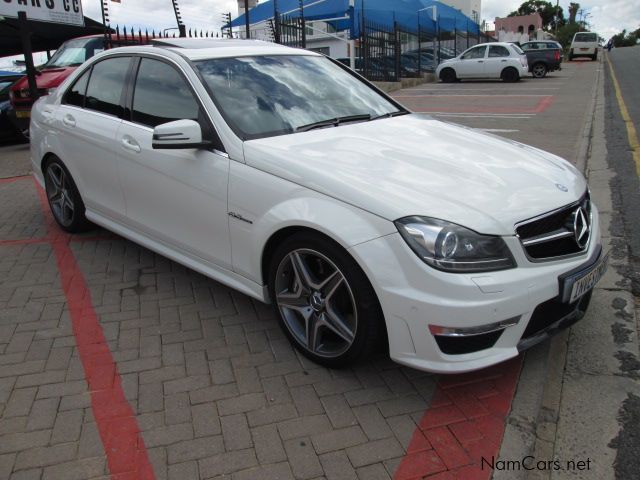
(471, 331)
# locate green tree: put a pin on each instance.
(573, 12)
(566, 33)
(547, 11)
(624, 39)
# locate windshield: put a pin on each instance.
(274, 95)
(75, 52)
(4, 86)
(586, 37)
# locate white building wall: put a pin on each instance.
(471, 8)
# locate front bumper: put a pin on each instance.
(414, 296)
(20, 119)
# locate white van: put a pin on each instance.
(584, 44)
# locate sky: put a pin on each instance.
(605, 17)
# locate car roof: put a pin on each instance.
(204, 48)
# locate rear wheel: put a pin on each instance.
(64, 199)
(594, 57)
(448, 75)
(570, 55)
(510, 75)
(325, 303)
(539, 70)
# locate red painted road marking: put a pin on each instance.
(540, 107)
(464, 423)
(124, 447)
(14, 179)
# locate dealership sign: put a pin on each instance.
(56, 11)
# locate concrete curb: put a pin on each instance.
(532, 422)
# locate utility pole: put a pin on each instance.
(557, 18)
(247, 24)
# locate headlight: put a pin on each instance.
(452, 248)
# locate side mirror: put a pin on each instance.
(178, 134)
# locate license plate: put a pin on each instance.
(585, 281)
(23, 114)
(584, 49)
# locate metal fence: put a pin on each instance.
(289, 31)
(389, 54)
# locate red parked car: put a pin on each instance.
(67, 58)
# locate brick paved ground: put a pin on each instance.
(210, 381)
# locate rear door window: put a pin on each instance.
(107, 80)
(498, 51)
(586, 37)
(75, 95)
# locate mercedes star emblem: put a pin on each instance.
(581, 227)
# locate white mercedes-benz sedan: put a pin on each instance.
(285, 175)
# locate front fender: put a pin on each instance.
(261, 204)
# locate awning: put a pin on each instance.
(409, 14)
(45, 35)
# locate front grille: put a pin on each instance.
(554, 234)
(552, 311)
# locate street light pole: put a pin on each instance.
(436, 22)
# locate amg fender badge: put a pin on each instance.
(239, 217)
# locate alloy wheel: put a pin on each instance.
(316, 303)
(59, 194)
(539, 71)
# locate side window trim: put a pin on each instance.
(87, 71)
(131, 85)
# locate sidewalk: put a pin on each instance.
(587, 417)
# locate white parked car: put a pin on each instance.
(288, 177)
(501, 60)
(584, 44)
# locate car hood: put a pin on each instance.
(415, 165)
(49, 78)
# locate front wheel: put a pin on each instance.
(64, 199)
(325, 303)
(539, 70)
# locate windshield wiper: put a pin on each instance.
(333, 122)
(391, 114)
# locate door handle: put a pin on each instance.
(69, 121)
(131, 144)
(480, 61)
(503, 60)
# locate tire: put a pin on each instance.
(448, 75)
(571, 55)
(539, 70)
(324, 301)
(65, 202)
(510, 75)
(594, 57)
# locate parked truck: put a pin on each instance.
(543, 56)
